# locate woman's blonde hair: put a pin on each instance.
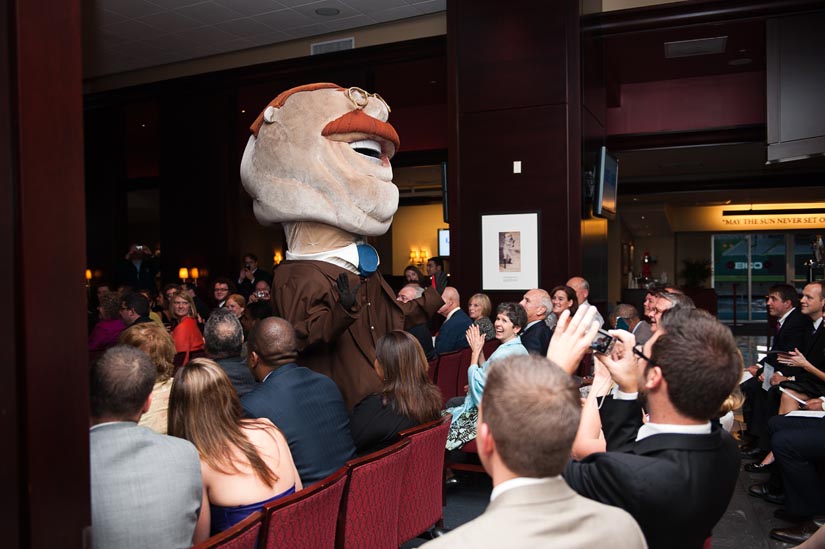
(205, 410)
(193, 311)
(486, 304)
(156, 342)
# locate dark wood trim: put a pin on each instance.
(286, 70)
(740, 182)
(12, 475)
(696, 12)
(638, 141)
(419, 158)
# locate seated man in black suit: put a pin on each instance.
(676, 473)
(452, 335)
(799, 446)
(223, 341)
(420, 331)
(306, 406)
(792, 327)
(536, 335)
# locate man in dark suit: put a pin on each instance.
(676, 473)
(306, 406)
(536, 335)
(452, 335)
(223, 340)
(792, 327)
(250, 274)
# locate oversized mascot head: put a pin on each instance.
(321, 153)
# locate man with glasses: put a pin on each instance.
(676, 473)
(220, 291)
(667, 300)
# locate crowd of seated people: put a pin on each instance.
(283, 426)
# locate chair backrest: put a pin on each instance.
(432, 369)
(449, 365)
(369, 510)
(490, 347)
(306, 519)
(422, 488)
(243, 535)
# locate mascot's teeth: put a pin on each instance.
(367, 147)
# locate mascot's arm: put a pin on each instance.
(309, 300)
(422, 309)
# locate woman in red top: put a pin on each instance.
(187, 335)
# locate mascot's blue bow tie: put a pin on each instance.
(367, 260)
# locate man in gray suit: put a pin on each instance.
(223, 341)
(526, 425)
(146, 488)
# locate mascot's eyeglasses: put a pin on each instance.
(360, 97)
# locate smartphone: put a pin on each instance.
(603, 343)
(621, 324)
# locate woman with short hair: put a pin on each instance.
(479, 308)
(155, 341)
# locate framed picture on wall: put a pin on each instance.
(510, 251)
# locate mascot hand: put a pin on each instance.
(347, 296)
(440, 281)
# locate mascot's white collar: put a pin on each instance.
(346, 257)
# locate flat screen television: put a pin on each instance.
(604, 203)
(444, 242)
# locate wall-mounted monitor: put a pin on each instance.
(444, 242)
(604, 203)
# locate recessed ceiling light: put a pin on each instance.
(643, 217)
(740, 61)
(143, 125)
(327, 12)
(243, 111)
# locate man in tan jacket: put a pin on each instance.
(526, 425)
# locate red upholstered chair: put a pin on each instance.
(490, 347)
(422, 489)
(306, 519)
(449, 366)
(243, 535)
(469, 448)
(369, 511)
(432, 369)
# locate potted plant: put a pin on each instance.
(695, 272)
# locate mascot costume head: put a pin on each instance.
(318, 161)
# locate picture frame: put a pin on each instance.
(510, 251)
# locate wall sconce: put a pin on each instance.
(193, 272)
(88, 277)
(183, 274)
(418, 257)
(277, 258)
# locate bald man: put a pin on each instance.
(582, 288)
(536, 335)
(453, 333)
(306, 406)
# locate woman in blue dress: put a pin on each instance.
(245, 463)
(510, 320)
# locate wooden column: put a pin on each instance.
(44, 394)
(515, 95)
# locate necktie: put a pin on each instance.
(367, 260)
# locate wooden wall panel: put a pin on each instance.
(44, 191)
(516, 96)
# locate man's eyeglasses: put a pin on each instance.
(637, 350)
(360, 97)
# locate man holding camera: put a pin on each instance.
(675, 474)
(250, 274)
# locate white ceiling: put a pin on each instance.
(124, 35)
